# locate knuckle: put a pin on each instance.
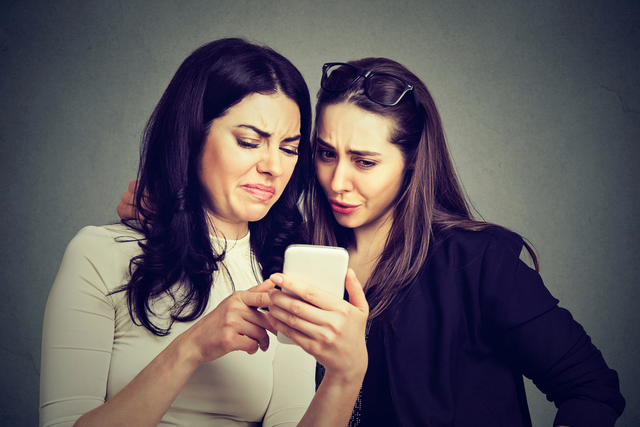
(330, 339)
(310, 293)
(292, 320)
(263, 299)
(230, 323)
(235, 304)
(227, 337)
(287, 331)
(314, 348)
(296, 307)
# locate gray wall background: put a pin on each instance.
(540, 101)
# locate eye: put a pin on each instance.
(365, 164)
(246, 144)
(325, 155)
(290, 150)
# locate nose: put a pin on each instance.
(271, 163)
(341, 180)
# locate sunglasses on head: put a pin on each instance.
(381, 88)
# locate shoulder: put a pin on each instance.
(465, 246)
(104, 251)
(484, 267)
(105, 233)
(105, 239)
(484, 263)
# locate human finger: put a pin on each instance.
(256, 333)
(313, 328)
(229, 327)
(126, 209)
(330, 338)
(262, 287)
(338, 331)
(234, 341)
(255, 297)
(304, 291)
(357, 297)
(253, 300)
(293, 310)
(286, 330)
(235, 318)
(133, 185)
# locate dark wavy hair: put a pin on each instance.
(431, 197)
(176, 248)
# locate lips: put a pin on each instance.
(342, 208)
(264, 193)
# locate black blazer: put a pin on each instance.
(476, 319)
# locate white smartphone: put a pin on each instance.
(324, 267)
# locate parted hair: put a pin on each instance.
(177, 258)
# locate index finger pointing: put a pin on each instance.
(255, 299)
(262, 287)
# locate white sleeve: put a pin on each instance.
(78, 331)
(293, 385)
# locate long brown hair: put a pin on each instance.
(431, 197)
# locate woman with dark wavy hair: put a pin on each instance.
(155, 321)
(456, 317)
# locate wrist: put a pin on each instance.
(353, 374)
(184, 353)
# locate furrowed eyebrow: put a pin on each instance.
(356, 152)
(292, 139)
(267, 134)
(364, 153)
(324, 144)
(256, 130)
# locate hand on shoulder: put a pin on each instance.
(126, 208)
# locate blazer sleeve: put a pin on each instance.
(543, 341)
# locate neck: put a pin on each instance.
(366, 247)
(227, 230)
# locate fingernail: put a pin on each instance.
(275, 278)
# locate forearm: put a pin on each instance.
(231, 326)
(147, 397)
(332, 331)
(333, 403)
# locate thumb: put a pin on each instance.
(262, 287)
(356, 294)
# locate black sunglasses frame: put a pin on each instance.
(367, 74)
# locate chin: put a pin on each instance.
(346, 221)
(257, 214)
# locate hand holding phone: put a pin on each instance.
(324, 267)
